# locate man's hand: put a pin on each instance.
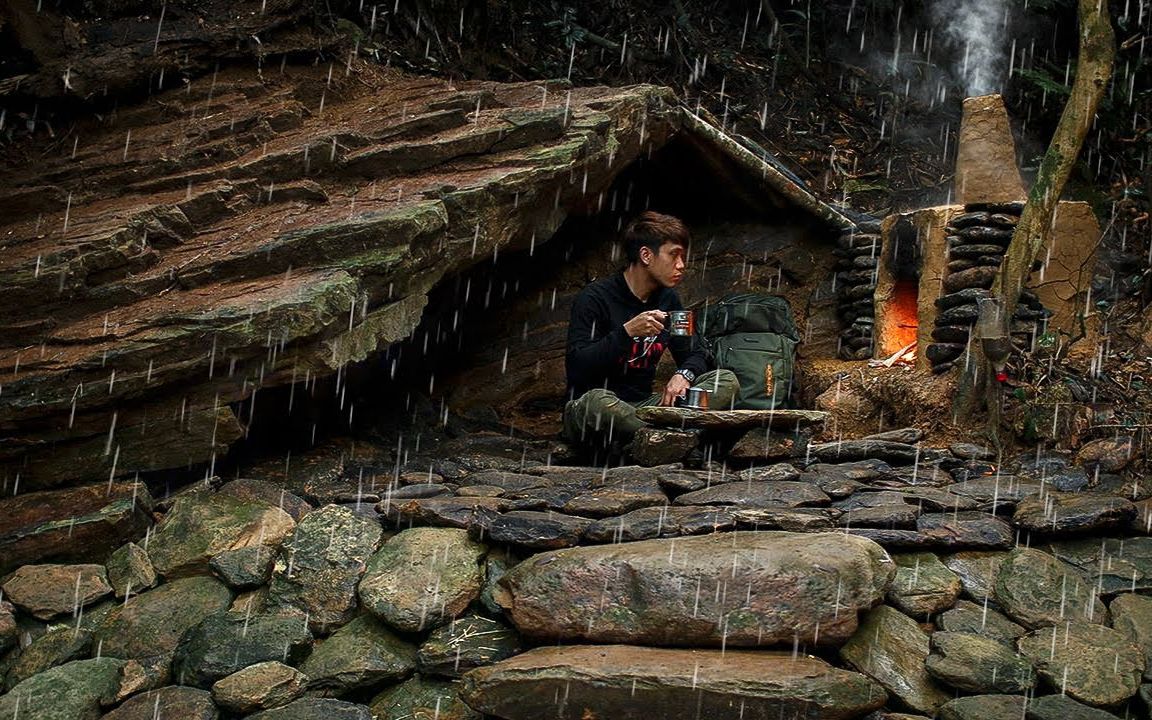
(646, 324)
(674, 389)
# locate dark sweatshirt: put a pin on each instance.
(602, 355)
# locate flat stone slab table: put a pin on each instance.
(675, 417)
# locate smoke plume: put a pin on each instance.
(975, 31)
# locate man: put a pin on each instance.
(617, 334)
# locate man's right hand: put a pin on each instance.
(646, 324)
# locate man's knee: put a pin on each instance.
(601, 411)
(722, 386)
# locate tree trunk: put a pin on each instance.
(1093, 71)
(1033, 233)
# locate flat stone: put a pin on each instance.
(968, 451)
(174, 701)
(130, 570)
(907, 435)
(850, 450)
(978, 664)
(891, 648)
(923, 585)
(771, 473)
(320, 565)
(1114, 564)
(767, 444)
(664, 521)
(202, 524)
(359, 655)
(226, 643)
(984, 707)
(528, 528)
(81, 524)
(259, 687)
(789, 519)
(662, 446)
(151, 623)
(1090, 663)
(944, 531)
(674, 417)
(977, 571)
(977, 277)
(506, 480)
(617, 681)
(576, 594)
(1036, 590)
(889, 515)
(1132, 617)
(423, 490)
(1107, 455)
(466, 643)
(422, 578)
(74, 691)
(45, 591)
(55, 647)
(968, 617)
(1062, 707)
(997, 488)
(314, 708)
(772, 493)
(455, 512)
(420, 698)
(613, 500)
(1057, 512)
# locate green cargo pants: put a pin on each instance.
(600, 415)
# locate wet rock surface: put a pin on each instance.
(634, 682)
(906, 571)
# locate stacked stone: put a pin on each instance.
(977, 240)
(859, 253)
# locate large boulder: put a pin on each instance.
(258, 687)
(1035, 589)
(80, 524)
(978, 664)
(321, 564)
(359, 655)
(74, 691)
(1090, 663)
(200, 525)
(638, 683)
(55, 647)
(423, 577)
(735, 589)
(229, 642)
(891, 648)
(45, 591)
(151, 624)
(183, 269)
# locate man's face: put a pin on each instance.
(666, 266)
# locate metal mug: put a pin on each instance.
(681, 322)
(695, 399)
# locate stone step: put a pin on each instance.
(624, 683)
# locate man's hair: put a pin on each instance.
(651, 230)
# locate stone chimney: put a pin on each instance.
(986, 170)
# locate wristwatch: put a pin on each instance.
(687, 375)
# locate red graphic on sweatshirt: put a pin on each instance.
(645, 352)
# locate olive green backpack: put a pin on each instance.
(755, 337)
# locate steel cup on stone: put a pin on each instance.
(694, 398)
(681, 322)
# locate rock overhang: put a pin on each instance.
(214, 241)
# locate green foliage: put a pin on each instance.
(1044, 81)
